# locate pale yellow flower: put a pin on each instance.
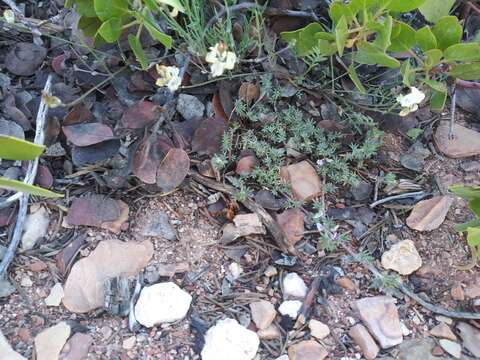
(410, 101)
(9, 16)
(220, 59)
(169, 76)
(51, 101)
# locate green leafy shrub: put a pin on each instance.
(369, 32)
(106, 20)
(12, 148)
(472, 227)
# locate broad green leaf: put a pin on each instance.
(12, 148)
(111, 29)
(108, 9)
(15, 185)
(337, 10)
(404, 5)
(369, 54)
(305, 39)
(403, 37)
(469, 71)
(354, 77)
(384, 33)
(425, 39)
(462, 52)
(434, 10)
(326, 48)
(466, 192)
(463, 227)
(162, 38)
(173, 3)
(432, 58)
(89, 25)
(473, 236)
(408, 74)
(85, 8)
(439, 86)
(138, 51)
(152, 5)
(323, 35)
(448, 32)
(474, 205)
(437, 100)
(341, 34)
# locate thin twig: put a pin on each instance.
(417, 195)
(453, 108)
(403, 288)
(29, 179)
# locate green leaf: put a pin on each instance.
(337, 10)
(12, 148)
(162, 38)
(473, 236)
(108, 9)
(138, 51)
(85, 8)
(403, 37)
(464, 227)
(111, 29)
(448, 32)
(439, 86)
(425, 39)
(89, 25)
(463, 52)
(434, 10)
(326, 48)
(173, 3)
(474, 205)
(432, 58)
(404, 5)
(19, 186)
(384, 33)
(354, 77)
(305, 39)
(369, 54)
(437, 100)
(469, 71)
(341, 34)
(408, 74)
(466, 192)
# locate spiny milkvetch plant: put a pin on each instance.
(106, 20)
(370, 32)
(12, 148)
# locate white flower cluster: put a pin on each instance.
(168, 76)
(410, 101)
(220, 59)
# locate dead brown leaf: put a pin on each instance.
(249, 92)
(173, 169)
(245, 165)
(87, 134)
(207, 139)
(65, 257)
(141, 114)
(148, 156)
(303, 179)
(429, 214)
(292, 223)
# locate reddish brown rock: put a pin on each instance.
(292, 223)
(307, 350)
(76, 347)
(472, 291)
(362, 338)
(346, 283)
(303, 179)
(465, 142)
(443, 331)
(457, 293)
(263, 313)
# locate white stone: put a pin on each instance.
(318, 329)
(6, 351)
(294, 286)
(451, 347)
(234, 271)
(35, 227)
(162, 303)
(190, 107)
(283, 357)
(403, 258)
(290, 308)
(230, 340)
(56, 295)
(50, 341)
(26, 282)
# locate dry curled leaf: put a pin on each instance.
(25, 58)
(141, 114)
(87, 134)
(173, 169)
(429, 214)
(207, 139)
(148, 157)
(249, 92)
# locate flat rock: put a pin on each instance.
(6, 289)
(156, 223)
(429, 214)
(362, 338)
(50, 341)
(56, 295)
(380, 315)
(307, 350)
(6, 351)
(417, 349)
(227, 339)
(263, 313)
(470, 337)
(464, 143)
(472, 291)
(451, 347)
(35, 227)
(77, 347)
(174, 301)
(190, 107)
(294, 287)
(403, 258)
(318, 329)
(290, 308)
(84, 288)
(303, 179)
(270, 333)
(442, 330)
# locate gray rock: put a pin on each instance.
(157, 223)
(190, 107)
(470, 166)
(470, 337)
(6, 289)
(451, 347)
(415, 157)
(3, 249)
(362, 191)
(416, 349)
(35, 227)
